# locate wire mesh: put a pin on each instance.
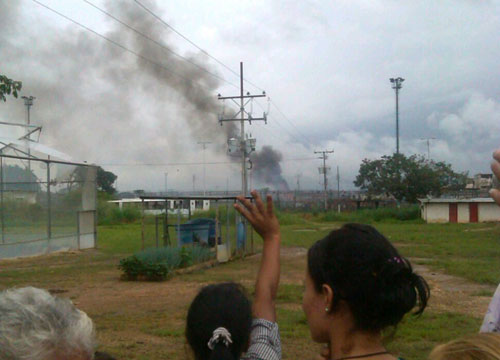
(45, 206)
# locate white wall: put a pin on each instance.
(463, 212)
(439, 212)
(436, 212)
(489, 212)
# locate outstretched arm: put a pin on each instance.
(265, 223)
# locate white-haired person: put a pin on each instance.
(34, 325)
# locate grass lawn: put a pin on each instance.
(145, 320)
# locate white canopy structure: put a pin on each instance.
(23, 140)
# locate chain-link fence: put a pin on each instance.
(46, 206)
(187, 224)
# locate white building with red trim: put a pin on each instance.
(442, 210)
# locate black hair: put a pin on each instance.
(221, 305)
(102, 356)
(366, 271)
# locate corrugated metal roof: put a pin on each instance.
(450, 200)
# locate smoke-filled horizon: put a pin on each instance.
(325, 64)
(99, 103)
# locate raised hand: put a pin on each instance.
(262, 217)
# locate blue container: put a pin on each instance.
(241, 235)
(200, 231)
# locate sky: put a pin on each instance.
(324, 65)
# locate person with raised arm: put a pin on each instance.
(221, 323)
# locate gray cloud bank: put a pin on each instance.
(326, 64)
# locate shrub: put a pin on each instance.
(186, 259)
(156, 263)
(132, 267)
(388, 214)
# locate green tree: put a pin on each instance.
(105, 181)
(407, 178)
(9, 86)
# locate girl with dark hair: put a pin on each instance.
(357, 284)
(219, 322)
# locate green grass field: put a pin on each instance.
(145, 320)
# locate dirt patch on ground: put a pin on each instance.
(454, 294)
(137, 319)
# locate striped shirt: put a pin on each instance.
(265, 342)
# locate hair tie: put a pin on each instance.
(220, 333)
(396, 260)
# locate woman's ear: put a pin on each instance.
(328, 297)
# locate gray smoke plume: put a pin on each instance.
(101, 103)
(267, 168)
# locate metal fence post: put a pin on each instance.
(142, 224)
(156, 230)
(1, 200)
(78, 229)
(49, 207)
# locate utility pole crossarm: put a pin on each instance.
(323, 170)
(242, 119)
(240, 97)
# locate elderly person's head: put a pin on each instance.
(34, 325)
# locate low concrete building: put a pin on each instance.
(459, 210)
(157, 206)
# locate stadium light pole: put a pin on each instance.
(396, 85)
(28, 102)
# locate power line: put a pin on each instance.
(192, 43)
(193, 163)
(290, 122)
(118, 44)
(162, 66)
(279, 124)
(219, 62)
(191, 62)
(158, 43)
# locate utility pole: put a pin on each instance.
(28, 102)
(338, 189)
(298, 176)
(428, 140)
(204, 144)
(396, 85)
(323, 170)
(194, 182)
(166, 183)
(338, 183)
(246, 145)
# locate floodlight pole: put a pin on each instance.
(396, 85)
(323, 157)
(28, 102)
